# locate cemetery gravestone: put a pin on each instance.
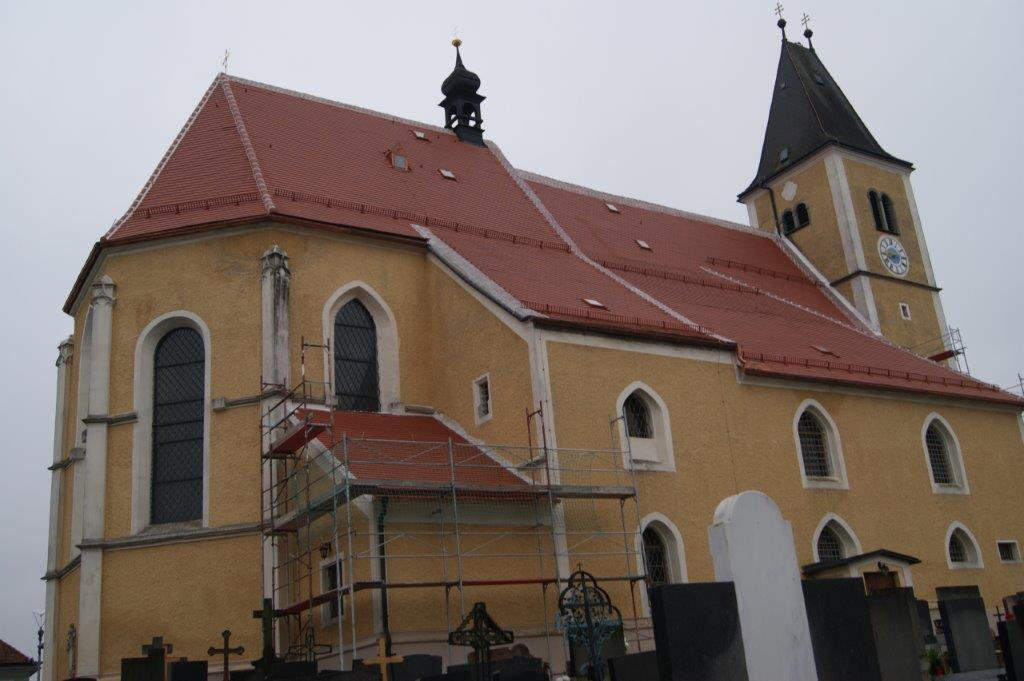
(188, 670)
(924, 622)
(634, 667)
(752, 546)
(1011, 639)
(898, 639)
(697, 632)
(841, 633)
(968, 636)
(415, 667)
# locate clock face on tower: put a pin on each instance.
(893, 255)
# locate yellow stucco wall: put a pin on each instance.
(729, 437)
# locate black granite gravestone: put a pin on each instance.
(924, 622)
(697, 632)
(1011, 640)
(898, 641)
(614, 646)
(965, 622)
(188, 670)
(634, 667)
(149, 668)
(348, 676)
(841, 632)
(414, 667)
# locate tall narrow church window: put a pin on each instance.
(814, 446)
(356, 374)
(957, 550)
(889, 211)
(803, 216)
(178, 414)
(788, 222)
(638, 417)
(830, 547)
(938, 455)
(655, 557)
(876, 210)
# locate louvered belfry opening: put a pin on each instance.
(178, 405)
(814, 446)
(356, 370)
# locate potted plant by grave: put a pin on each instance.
(936, 666)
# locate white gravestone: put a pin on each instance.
(752, 546)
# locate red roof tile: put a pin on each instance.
(251, 151)
(11, 655)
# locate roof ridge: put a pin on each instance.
(578, 252)
(250, 151)
(638, 203)
(163, 160)
(341, 105)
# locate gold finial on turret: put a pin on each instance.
(456, 42)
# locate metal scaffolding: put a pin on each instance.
(435, 522)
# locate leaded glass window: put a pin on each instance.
(830, 547)
(957, 550)
(178, 414)
(655, 557)
(356, 381)
(814, 446)
(938, 455)
(638, 417)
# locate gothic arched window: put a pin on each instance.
(638, 417)
(938, 455)
(356, 373)
(178, 421)
(814, 446)
(803, 216)
(830, 546)
(788, 222)
(655, 557)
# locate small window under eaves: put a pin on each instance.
(447, 174)
(420, 135)
(612, 208)
(643, 244)
(399, 162)
(594, 303)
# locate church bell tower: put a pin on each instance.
(461, 101)
(825, 184)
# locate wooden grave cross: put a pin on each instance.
(382, 658)
(157, 644)
(225, 651)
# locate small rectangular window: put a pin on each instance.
(330, 582)
(904, 310)
(482, 397)
(1009, 551)
(643, 244)
(447, 174)
(399, 162)
(594, 303)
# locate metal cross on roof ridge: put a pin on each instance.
(227, 55)
(806, 19)
(778, 9)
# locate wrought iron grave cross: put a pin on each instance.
(586, 614)
(225, 651)
(480, 632)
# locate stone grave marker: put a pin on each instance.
(152, 667)
(924, 622)
(752, 547)
(968, 636)
(841, 632)
(634, 667)
(897, 636)
(415, 667)
(1011, 639)
(697, 632)
(188, 670)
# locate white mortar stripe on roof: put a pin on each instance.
(163, 161)
(250, 152)
(518, 179)
(637, 203)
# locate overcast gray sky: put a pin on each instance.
(664, 101)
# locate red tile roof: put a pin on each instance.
(252, 151)
(11, 655)
(402, 449)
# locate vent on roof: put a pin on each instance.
(643, 244)
(399, 162)
(784, 155)
(782, 85)
(612, 207)
(818, 79)
(823, 350)
(420, 135)
(446, 174)
(594, 303)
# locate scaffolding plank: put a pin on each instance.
(297, 437)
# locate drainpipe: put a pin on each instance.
(383, 576)
(775, 211)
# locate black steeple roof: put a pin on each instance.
(808, 112)
(461, 101)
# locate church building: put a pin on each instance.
(364, 373)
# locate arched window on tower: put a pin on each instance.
(178, 422)
(830, 546)
(356, 371)
(655, 557)
(814, 446)
(889, 211)
(803, 216)
(788, 222)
